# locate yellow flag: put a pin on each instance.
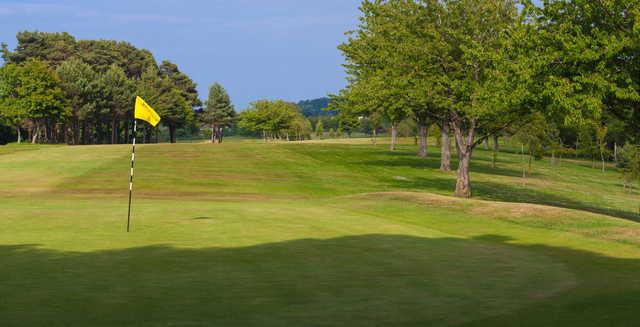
(144, 112)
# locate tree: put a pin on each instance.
(52, 48)
(187, 87)
(117, 97)
(79, 82)
(41, 96)
(347, 123)
(601, 134)
(167, 99)
(97, 79)
(629, 164)
(536, 135)
(276, 120)
(445, 145)
(219, 112)
(11, 111)
(370, 125)
(316, 107)
(101, 54)
(319, 129)
(301, 128)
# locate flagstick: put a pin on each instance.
(133, 161)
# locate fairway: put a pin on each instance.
(309, 234)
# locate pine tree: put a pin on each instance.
(219, 112)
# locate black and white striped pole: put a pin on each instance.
(133, 162)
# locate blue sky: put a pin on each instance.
(256, 48)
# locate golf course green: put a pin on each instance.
(322, 233)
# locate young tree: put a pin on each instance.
(219, 112)
(629, 164)
(347, 123)
(601, 134)
(535, 135)
(319, 129)
(301, 128)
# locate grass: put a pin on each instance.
(325, 233)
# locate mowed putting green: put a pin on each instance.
(314, 234)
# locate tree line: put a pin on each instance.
(479, 69)
(56, 89)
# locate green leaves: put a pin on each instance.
(38, 91)
(275, 119)
(218, 111)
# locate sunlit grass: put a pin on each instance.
(338, 232)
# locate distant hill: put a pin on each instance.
(314, 108)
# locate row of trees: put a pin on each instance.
(481, 68)
(60, 90)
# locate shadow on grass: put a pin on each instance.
(507, 193)
(433, 162)
(368, 280)
(445, 184)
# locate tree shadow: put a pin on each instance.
(433, 162)
(508, 193)
(445, 184)
(367, 280)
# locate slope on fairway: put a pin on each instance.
(308, 234)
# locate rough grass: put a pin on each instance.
(331, 233)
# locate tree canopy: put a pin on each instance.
(63, 90)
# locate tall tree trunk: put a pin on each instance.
(213, 133)
(19, 134)
(463, 183)
(375, 137)
(172, 133)
(423, 132)
(114, 130)
(445, 143)
(126, 131)
(394, 136)
(222, 133)
(65, 134)
(496, 150)
(465, 145)
(74, 130)
(36, 132)
(83, 133)
(524, 167)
